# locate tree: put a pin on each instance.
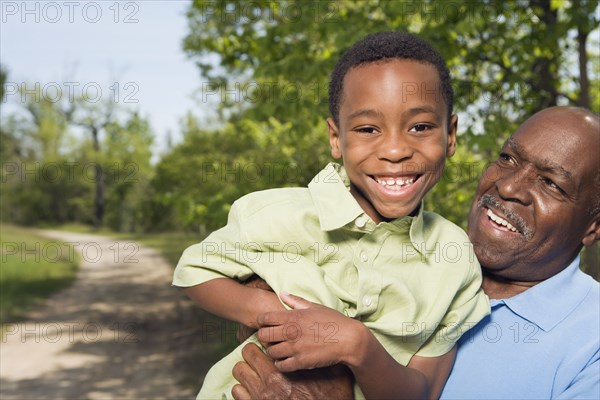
(94, 118)
(40, 181)
(508, 59)
(68, 160)
(195, 184)
(128, 171)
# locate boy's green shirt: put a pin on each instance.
(414, 281)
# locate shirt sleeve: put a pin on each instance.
(222, 254)
(586, 384)
(469, 306)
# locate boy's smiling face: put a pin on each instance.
(393, 135)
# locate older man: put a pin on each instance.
(535, 208)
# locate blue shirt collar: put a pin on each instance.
(560, 293)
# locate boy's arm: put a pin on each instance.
(232, 300)
(436, 370)
(380, 376)
(312, 336)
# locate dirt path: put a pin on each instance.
(115, 333)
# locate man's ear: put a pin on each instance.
(452, 128)
(593, 231)
(334, 139)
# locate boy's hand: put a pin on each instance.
(309, 336)
(259, 379)
(243, 332)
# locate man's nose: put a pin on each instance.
(515, 185)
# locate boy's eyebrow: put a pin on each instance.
(542, 164)
(419, 110)
(369, 112)
(366, 112)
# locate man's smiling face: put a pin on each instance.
(531, 212)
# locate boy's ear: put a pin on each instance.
(593, 231)
(334, 139)
(452, 128)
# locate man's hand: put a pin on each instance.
(259, 379)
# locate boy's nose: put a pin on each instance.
(394, 148)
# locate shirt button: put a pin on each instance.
(367, 301)
(364, 257)
(360, 222)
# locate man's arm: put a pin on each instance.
(586, 385)
(232, 300)
(260, 379)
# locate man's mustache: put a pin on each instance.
(488, 200)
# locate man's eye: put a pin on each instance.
(420, 128)
(505, 158)
(551, 184)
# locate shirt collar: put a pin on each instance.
(336, 207)
(330, 191)
(560, 293)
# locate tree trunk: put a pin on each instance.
(547, 78)
(99, 196)
(591, 260)
(584, 93)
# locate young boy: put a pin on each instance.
(357, 240)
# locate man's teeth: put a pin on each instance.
(500, 221)
(396, 183)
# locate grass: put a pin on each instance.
(30, 271)
(31, 268)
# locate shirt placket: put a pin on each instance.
(369, 283)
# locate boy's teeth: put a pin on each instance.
(395, 182)
(500, 221)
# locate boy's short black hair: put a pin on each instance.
(387, 46)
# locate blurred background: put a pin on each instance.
(142, 121)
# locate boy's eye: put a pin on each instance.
(366, 129)
(420, 128)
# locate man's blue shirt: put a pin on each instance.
(541, 344)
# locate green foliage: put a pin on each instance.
(127, 172)
(265, 67)
(50, 172)
(39, 182)
(199, 179)
(508, 60)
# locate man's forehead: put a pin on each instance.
(559, 141)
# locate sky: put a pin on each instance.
(127, 51)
